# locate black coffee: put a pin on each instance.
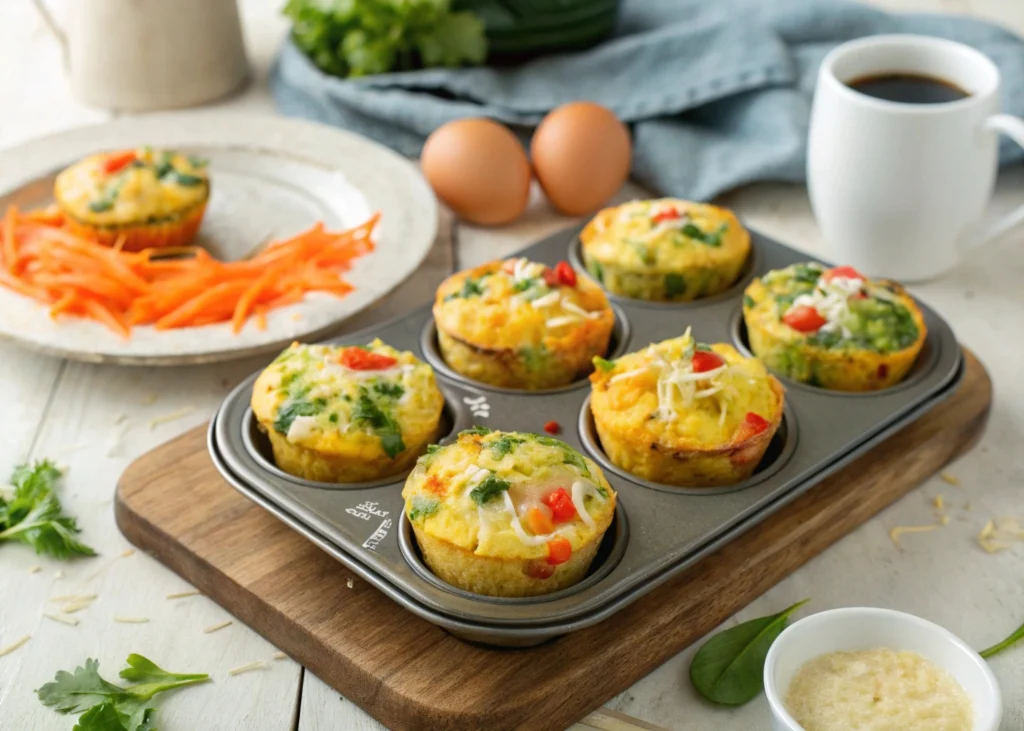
(908, 88)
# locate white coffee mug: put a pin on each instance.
(157, 54)
(899, 189)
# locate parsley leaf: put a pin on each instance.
(605, 365)
(294, 409)
(380, 421)
(32, 514)
(476, 430)
(391, 390)
(488, 489)
(422, 507)
(703, 347)
(470, 287)
(504, 444)
(675, 285)
(569, 455)
(108, 707)
(708, 238)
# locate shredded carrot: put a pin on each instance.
(169, 288)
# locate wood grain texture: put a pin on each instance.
(411, 674)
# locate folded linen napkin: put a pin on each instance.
(717, 92)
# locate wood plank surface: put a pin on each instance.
(412, 675)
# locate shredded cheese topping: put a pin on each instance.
(831, 299)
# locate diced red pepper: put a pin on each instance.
(559, 551)
(539, 569)
(847, 272)
(753, 424)
(704, 361)
(118, 160)
(539, 522)
(882, 372)
(669, 214)
(363, 360)
(804, 318)
(552, 427)
(565, 273)
(562, 508)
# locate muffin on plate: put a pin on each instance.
(347, 413)
(521, 324)
(684, 413)
(667, 250)
(149, 198)
(507, 513)
(833, 328)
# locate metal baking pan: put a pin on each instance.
(658, 530)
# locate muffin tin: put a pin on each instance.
(658, 530)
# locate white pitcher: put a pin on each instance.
(141, 55)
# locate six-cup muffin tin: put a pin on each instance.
(658, 530)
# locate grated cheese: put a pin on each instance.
(127, 552)
(172, 416)
(938, 502)
(35, 569)
(76, 605)
(246, 668)
(580, 490)
(951, 479)
(576, 309)
(999, 535)
(14, 645)
(72, 598)
(560, 321)
(71, 621)
(131, 620)
(899, 530)
(547, 300)
(58, 574)
(216, 627)
(628, 374)
(279, 656)
(185, 594)
(349, 582)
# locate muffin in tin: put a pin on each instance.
(508, 514)
(521, 324)
(833, 328)
(347, 414)
(144, 198)
(666, 250)
(685, 413)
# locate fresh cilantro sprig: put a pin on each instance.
(32, 514)
(375, 36)
(108, 707)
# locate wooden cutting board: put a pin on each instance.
(413, 676)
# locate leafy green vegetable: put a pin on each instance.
(675, 285)
(470, 287)
(359, 37)
(808, 273)
(748, 301)
(605, 365)
(164, 167)
(32, 513)
(368, 412)
(1013, 639)
(570, 455)
(291, 410)
(709, 238)
(595, 268)
(433, 449)
(391, 390)
(476, 430)
(198, 162)
(187, 180)
(102, 205)
(488, 489)
(535, 357)
(422, 507)
(703, 347)
(729, 668)
(643, 251)
(108, 707)
(504, 445)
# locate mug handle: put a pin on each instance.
(55, 30)
(1012, 127)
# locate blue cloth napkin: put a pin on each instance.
(717, 92)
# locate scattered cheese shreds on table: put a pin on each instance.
(7, 650)
(1000, 534)
(259, 664)
(58, 574)
(279, 656)
(215, 627)
(939, 505)
(172, 416)
(35, 569)
(895, 533)
(170, 288)
(131, 620)
(77, 605)
(72, 621)
(951, 479)
(185, 594)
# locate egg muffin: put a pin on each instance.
(833, 328)
(347, 414)
(685, 413)
(521, 324)
(508, 514)
(149, 198)
(667, 250)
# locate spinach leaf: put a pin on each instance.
(708, 238)
(504, 444)
(595, 268)
(391, 442)
(186, 180)
(476, 430)
(675, 285)
(569, 455)
(703, 347)
(729, 668)
(643, 251)
(748, 301)
(294, 409)
(808, 273)
(368, 413)
(1008, 642)
(534, 357)
(488, 489)
(391, 390)
(605, 365)
(470, 288)
(422, 507)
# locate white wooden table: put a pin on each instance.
(96, 419)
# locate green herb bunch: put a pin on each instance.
(352, 38)
(108, 707)
(31, 513)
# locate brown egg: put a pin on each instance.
(479, 169)
(581, 154)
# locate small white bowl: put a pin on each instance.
(865, 628)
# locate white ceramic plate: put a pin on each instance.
(270, 178)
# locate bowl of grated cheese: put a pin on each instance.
(877, 670)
